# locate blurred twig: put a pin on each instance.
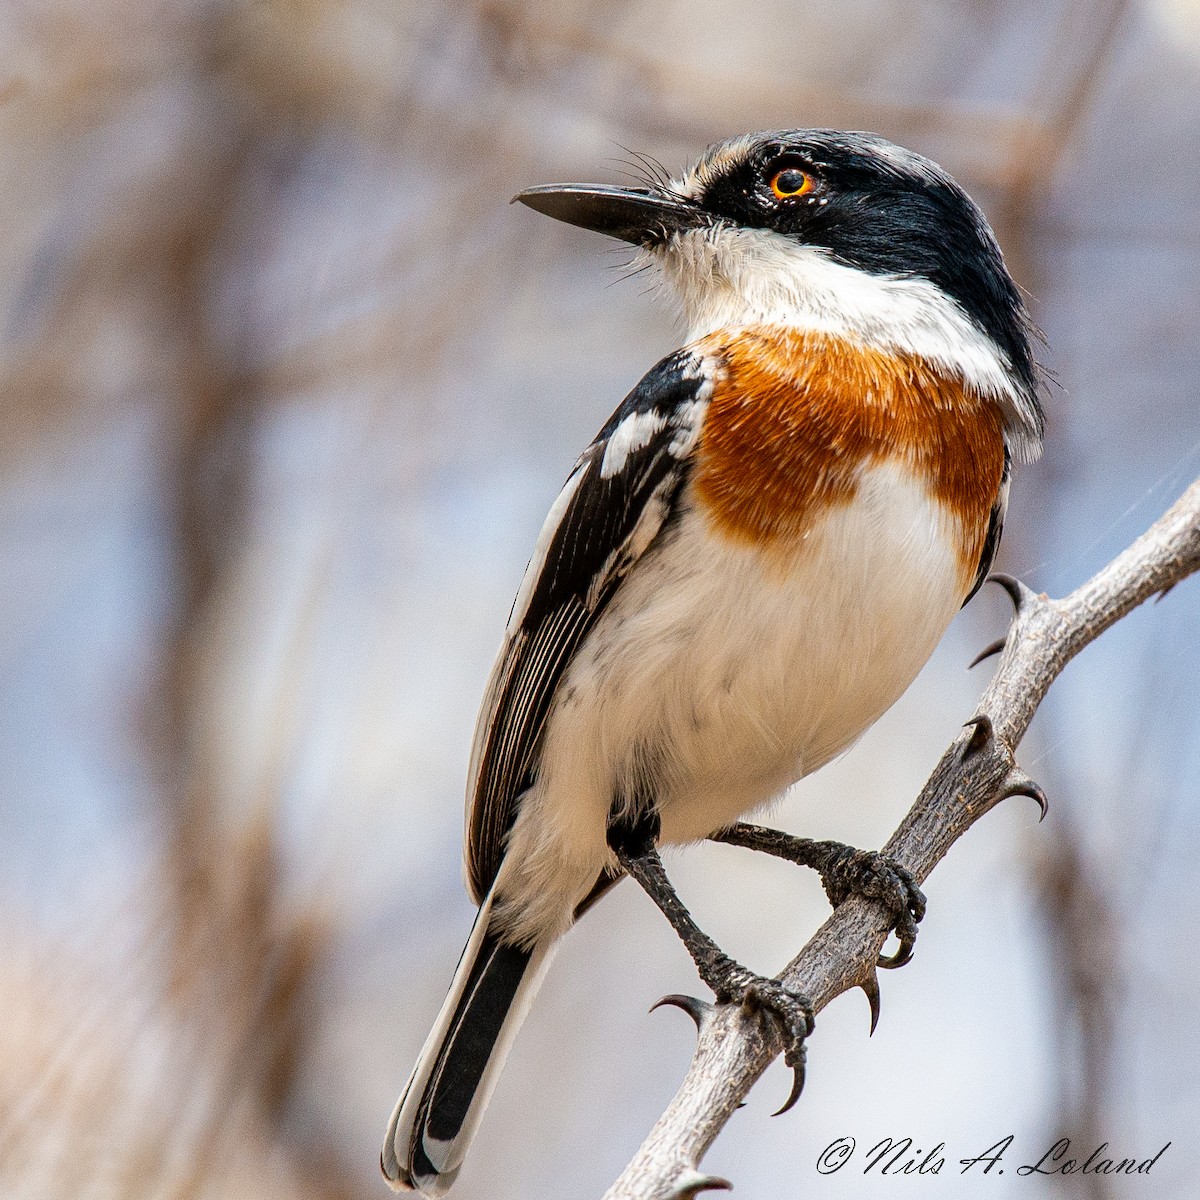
(975, 773)
(1078, 911)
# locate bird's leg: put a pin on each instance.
(729, 980)
(845, 871)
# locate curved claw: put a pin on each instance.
(903, 955)
(917, 902)
(695, 1008)
(982, 732)
(1020, 784)
(794, 1015)
(690, 1181)
(987, 652)
(1016, 590)
(870, 987)
(799, 1069)
(905, 930)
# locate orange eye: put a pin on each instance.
(791, 182)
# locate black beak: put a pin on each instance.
(635, 215)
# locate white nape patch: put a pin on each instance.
(634, 432)
(727, 277)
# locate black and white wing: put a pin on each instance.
(991, 541)
(616, 501)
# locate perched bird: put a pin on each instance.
(744, 570)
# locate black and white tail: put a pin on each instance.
(460, 1062)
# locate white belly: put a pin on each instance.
(719, 675)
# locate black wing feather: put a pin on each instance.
(609, 521)
(991, 541)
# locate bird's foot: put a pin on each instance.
(734, 984)
(874, 875)
(845, 871)
(730, 981)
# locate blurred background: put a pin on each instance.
(287, 389)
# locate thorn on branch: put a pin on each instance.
(1017, 783)
(982, 732)
(689, 1182)
(870, 987)
(699, 1010)
(987, 652)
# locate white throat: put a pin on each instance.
(726, 277)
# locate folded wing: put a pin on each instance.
(614, 504)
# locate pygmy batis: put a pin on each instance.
(743, 571)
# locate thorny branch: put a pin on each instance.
(976, 773)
